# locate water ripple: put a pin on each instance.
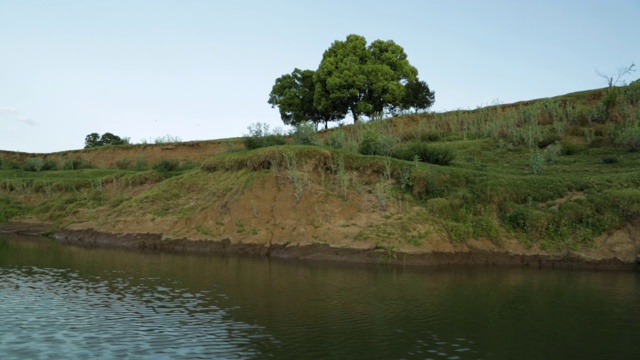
(55, 314)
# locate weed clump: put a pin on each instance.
(259, 137)
(375, 143)
(166, 165)
(432, 154)
(305, 134)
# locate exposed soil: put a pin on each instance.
(266, 219)
(317, 252)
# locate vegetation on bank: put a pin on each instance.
(553, 173)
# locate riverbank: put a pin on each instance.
(149, 242)
(545, 181)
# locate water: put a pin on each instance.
(63, 302)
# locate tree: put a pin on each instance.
(352, 78)
(95, 140)
(293, 94)
(361, 79)
(92, 140)
(417, 96)
(622, 72)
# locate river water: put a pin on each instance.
(65, 302)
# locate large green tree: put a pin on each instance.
(362, 80)
(353, 78)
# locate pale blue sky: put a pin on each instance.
(203, 70)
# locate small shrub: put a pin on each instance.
(167, 139)
(166, 165)
(537, 162)
(305, 134)
(32, 164)
(260, 137)
(632, 93)
(433, 154)
(609, 99)
(552, 152)
(336, 139)
(629, 139)
(374, 143)
(548, 140)
(141, 163)
(8, 165)
(570, 148)
(49, 164)
(8, 209)
(430, 136)
(123, 163)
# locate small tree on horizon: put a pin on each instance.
(95, 140)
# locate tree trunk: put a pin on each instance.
(356, 116)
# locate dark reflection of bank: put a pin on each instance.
(319, 310)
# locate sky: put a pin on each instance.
(202, 70)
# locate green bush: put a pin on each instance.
(123, 163)
(629, 139)
(49, 164)
(32, 164)
(374, 143)
(141, 163)
(305, 134)
(8, 165)
(336, 139)
(259, 137)
(632, 93)
(8, 209)
(570, 148)
(433, 154)
(166, 165)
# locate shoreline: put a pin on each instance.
(148, 242)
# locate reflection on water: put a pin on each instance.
(69, 302)
(53, 312)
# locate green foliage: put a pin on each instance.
(433, 154)
(107, 139)
(8, 209)
(629, 138)
(305, 134)
(417, 96)
(632, 93)
(336, 139)
(571, 148)
(375, 143)
(259, 137)
(360, 79)
(141, 163)
(32, 164)
(293, 94)
(354, 78)
(123, 163)
(166, 165)
(537, 162)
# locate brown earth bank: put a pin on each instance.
(150, 242)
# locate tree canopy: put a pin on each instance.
(354, 79)
(95, 140)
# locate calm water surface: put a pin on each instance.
(63, 302)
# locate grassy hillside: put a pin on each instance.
(551, 175)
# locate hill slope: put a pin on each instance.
(557, 178)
